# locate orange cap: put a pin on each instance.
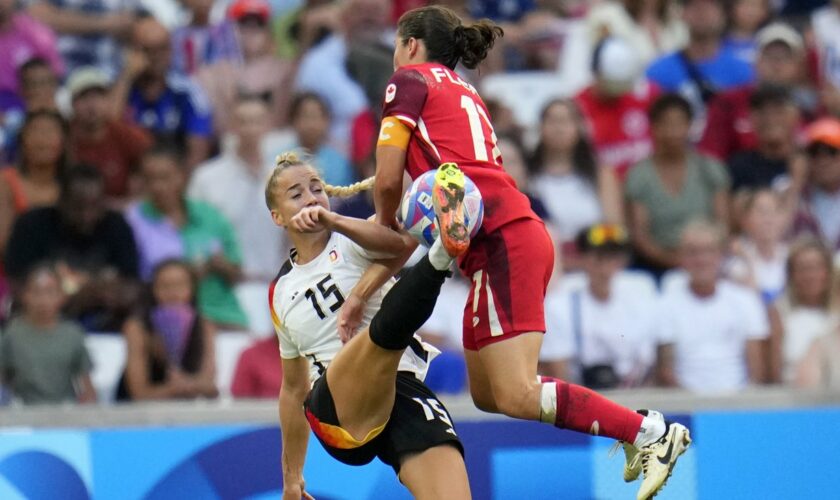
(825, 131)
(242, 8)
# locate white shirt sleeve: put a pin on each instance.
(665, 325)
(288, 347)
(754, 314)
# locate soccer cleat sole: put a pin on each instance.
(448, 199)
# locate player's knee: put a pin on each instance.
(517, 403)
(484, 400)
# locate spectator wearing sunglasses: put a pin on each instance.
(819, 207)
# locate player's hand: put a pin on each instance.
(350, 317)
(295, 492)
(311, 219)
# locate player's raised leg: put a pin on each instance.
(436, 473)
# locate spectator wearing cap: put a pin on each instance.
(22, 38)
(89, 31)
(774, 162)
(819, 207)
(780, 61)
(112, 146)
(615, 105)
(704, 67)
(202, 42)
(711, 331)
(672, 187)
(600, 329)
(169, 105)
(651, 28)
(234, 184)
(93, 247)
(257, 73)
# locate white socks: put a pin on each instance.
(548, 403)
(438, 257)
(653, 427)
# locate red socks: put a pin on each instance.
(583, 410)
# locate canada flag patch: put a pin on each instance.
(390, 92)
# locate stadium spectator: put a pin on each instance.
(34, 181)
(234, 183)
(775, 161)
(600, 334)
(22, 39)
(258, 72)
(258, 372)
(780, 61)
(88, 31)
(704, 67)
(565, 175)
(820, 367)
(167, 224)
(806, 311)
(745, 18)
(323, 68)
(169, 105)
(38, 86)
(112, 146)
(672, 187)
(760, 251)
(615, 106)
(516, 166)
(93, 249)
(202, 42)
(825, 23)
(310, 119)
(43, 358)
(819, 207)
(170, 347)
(652, 28)
(711, 331)
(301, 28)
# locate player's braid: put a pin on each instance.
(352, 189)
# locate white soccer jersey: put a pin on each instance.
(305, 300)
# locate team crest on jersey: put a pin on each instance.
(333, 255)
(390, 92)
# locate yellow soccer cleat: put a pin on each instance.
(632, 467)
(448, 199)
(658, 459)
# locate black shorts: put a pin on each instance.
(418, 422)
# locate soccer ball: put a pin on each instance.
(417, 212)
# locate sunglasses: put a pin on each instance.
(818, 149)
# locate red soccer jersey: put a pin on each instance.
(450, 123)
(619, 127)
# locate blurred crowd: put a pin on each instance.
(685, 155)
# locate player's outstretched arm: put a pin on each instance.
(293, 426)
(388, 187)
(375, 238)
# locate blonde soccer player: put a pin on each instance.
(366, 398)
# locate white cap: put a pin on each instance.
(616, 61)
(779, 32)
(87, 78)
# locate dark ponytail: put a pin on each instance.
(447, 40)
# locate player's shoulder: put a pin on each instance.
(282, 276)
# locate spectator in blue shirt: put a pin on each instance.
(704, 67)
(168, 104)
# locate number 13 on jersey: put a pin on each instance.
(478, 121)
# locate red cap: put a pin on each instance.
(825, 131)
(242, 8)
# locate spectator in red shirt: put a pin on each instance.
(729, 129)
(114, 147)
(259, 372)
(616, 105)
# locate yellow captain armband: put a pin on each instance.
(394, 132)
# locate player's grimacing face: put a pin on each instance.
(298, 187)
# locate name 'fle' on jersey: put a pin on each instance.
(450, 123)
(304, 301)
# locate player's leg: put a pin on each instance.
(436, 473)
(361, 377)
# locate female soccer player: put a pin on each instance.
(432, 116)
(367, 398)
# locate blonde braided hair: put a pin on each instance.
(293, 159)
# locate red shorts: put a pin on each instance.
(510, 268)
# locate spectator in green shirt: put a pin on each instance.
(167, 224)
(43, 358)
